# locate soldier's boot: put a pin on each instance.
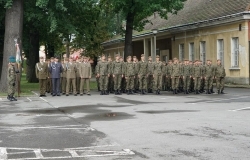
(159, 92)
(101, 92)
(187, 92)
(99, 89)
(8, 97)
(222, 92)
(118, 92)
(156, 92)
(209, 91)
(106, 92)
(212, 90)
(218, 91)
(174, 91)
(13, 98)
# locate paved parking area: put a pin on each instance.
(127, 127)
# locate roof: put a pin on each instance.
(196, 11)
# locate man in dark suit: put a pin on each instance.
(56, 70)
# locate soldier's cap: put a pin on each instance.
(41, 57)
(149, 57)
(12, 59)
(51, 57)
(128, 57)
(170, 60)
(163, 62)
(134, 57)
(157, 56)
(109, 56)
(117, 55)
(103, 55)
(142, 55)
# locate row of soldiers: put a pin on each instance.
(66, 77)
(148, 76)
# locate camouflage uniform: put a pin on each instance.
(175, 72)
(130, 76)
(164, 78)
(104, 72)
(142, 73)
(136, 81)
(158, 76)
(97, 78)
(117, 71)
(150, 79)
(220, 75)
(11, 83)
(186, 73)
(168, 77)
(209, 75)
(197, 74)
(110, 78)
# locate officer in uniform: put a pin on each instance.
(150, 79)
(97, 78)
(85, 72)
(164, 78)
(158, 75)
(55, 70)
(42, 71)
(63, 77)
(71, 76)
(142, 74)
(129, 75)
(11, 79)
(78, 78)
(103, 73)
(209, 76)
(220, 75)
(117, 71)
(175, 72)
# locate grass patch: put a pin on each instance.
(27, 88)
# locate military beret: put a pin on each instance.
(12, 59)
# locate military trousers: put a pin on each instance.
(208, 83)
(42, 86)
(117, 81)
(143, 82)
(186, 82)
(64, 84)
(157, 82)
(110, 83)
(164, 82)
(150, 81)
(103, 82)
(123, 84)
(220, 82)
(168, 81)
(49, 85)
(56, 86)
(130, 82)
(11, 87)
(78, 83)
(98, 82)
(197, 83)
(82, 82)
(136, 82)
(71, 82)
(175, 82)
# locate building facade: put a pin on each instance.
(206, 30)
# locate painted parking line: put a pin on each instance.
(1, 99)
(29, 99)
(43, 99)
(240, 109)
(82, 153)
(34, 93)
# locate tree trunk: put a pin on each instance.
(33, 57)
(128, 50)
(13, 29)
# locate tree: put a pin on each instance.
(13, 30)
(136, 13)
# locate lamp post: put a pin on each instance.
(154, 31)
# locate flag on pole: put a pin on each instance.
(18, 53)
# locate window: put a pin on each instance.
(235, 52)
(181, 52)
(191, 51)
(203, 52)
(220, 50)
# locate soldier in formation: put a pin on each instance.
(11, 78)
(42, 73)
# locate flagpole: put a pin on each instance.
(18, 60)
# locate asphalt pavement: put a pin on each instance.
(110, 127)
